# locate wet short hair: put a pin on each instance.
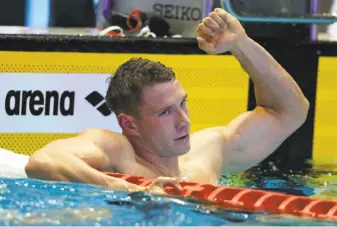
(124, 94)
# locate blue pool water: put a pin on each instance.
(34, 202)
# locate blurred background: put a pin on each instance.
(174, 16)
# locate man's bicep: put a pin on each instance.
(79, 146)
(98, 148)
(112, 146)
(252, 137)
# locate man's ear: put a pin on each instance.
(127, 123)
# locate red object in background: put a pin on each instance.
(248, 199)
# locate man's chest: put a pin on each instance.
(198, 174)
(188, 172)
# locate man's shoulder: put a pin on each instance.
(114, 145)
(105, 138)
(207, 138)
(208, 132)
(100, 132)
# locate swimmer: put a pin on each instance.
(151, 108)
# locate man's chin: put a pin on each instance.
(183, 150)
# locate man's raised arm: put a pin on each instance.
(281, 106)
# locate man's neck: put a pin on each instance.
(162, 165)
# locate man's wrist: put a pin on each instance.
(240, 44)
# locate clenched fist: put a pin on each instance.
(219, 32)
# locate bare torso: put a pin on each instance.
(201, 164)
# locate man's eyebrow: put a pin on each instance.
(169, 106)
(185, 96)
(164, 108)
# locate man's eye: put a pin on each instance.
(164, 113)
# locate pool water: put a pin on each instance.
(35, 202)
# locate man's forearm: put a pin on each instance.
(274, 87)
(66, 167)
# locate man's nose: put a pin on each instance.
(183, 120)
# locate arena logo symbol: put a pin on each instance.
(21, 103)
(98, 101)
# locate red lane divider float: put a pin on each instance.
(248, 199)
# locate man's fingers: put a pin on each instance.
(168, 180)
(165, 180)
(201, 42)
(203, 30)
(222, 14)
(178, 186)
(210, 23)
(204, 45)
(222, 24)
(174, 184)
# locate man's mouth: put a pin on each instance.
(182, 137)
